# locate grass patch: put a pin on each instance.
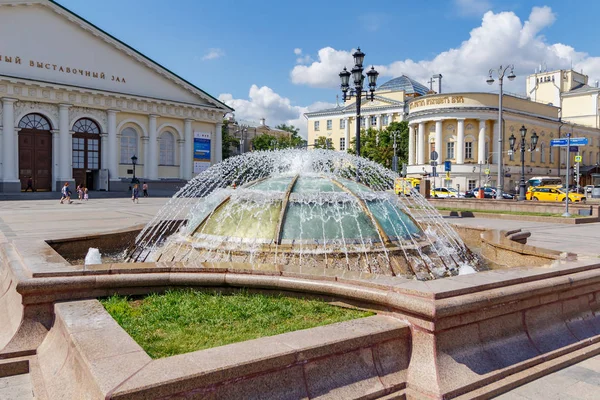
(535, 214)
(181, 321)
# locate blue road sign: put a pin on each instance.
(558, 142)
(579, 141)
(447, 166)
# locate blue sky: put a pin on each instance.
(226, 47)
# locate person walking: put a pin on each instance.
(145, 189)
(80, 191)
(85, 194)
(30, 184)
(66, 194)
(135, 193)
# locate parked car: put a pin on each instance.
(443, 192)
(552, 193)
(488, 193)
(588, 188)
(456, 192)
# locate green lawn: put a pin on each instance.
(182, 321)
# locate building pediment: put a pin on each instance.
(45, 42)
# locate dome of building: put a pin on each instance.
(407, 84)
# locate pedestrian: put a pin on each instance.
(145, 189)
(66, 193)
(135, 194)
(80, 191)
(30, 184)
(85, 194)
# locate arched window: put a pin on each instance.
(542, 153)
(128, 145)
(167, 149)
(583, 157)
(532, 156)
(86, 125)
(34, 121)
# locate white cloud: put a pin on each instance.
(472, 7)
(306, 59)
(372, 21)
(297, 51)
(263, 102)
(501, 38)
(213, 54)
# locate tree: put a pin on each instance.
(229, 141)
(293, 140)
(264, 141)
(323, 143)
(378, 146)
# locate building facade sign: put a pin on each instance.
(201, 151)
(436, 101)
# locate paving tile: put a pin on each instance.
(582, 374)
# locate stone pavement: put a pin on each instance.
(16, 387)
(49, 219)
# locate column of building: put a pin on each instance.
(65, 142)
(438, 140)
(113, 165)
(411, 144)
(218, 143)
(9, 142)
(347, 132)
(379, 117)
(188, 161)
(151, 161)
(421, 144)
(481, 157)
(495, 142)
(460, 141)
(181, 143)
(55, 159)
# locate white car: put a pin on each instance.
(456, 193)
(442, 193)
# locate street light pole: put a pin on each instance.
(534, 140)
(511, 76)
(358, 78)
(395, 158)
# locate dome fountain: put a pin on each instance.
(305, 208)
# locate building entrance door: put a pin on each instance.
(86, 152)
(35, 152)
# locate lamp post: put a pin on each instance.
(512, 140)
(357, 91)
(134, 162)
(395, 157)
(243, 130)
(511, 76)
(273, 145)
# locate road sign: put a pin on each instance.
(434, 155)
(487, 171)
(579, 141)
(577, 158)
(433, 163)
(574, 142)
(447, 166)
(574, 149)
(558, 142)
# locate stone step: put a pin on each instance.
(16, 387)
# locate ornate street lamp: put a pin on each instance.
(511, 76)
(512, 140)
(357, 91)
(134, 162)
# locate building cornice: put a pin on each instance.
(123, 47)
(40, 91)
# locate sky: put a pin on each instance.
(277, 60)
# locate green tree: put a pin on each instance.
(293, 140)
(229, 141)
(378, 146)
(323, 143)
(264, 142)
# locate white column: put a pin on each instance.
(421, 144)
(438, 140)
(460, 141)
(103, 150)
(347, 131)
(495, 144)
(56, 185)
(151, 163)
(218, 143)
(147, 156)
(188, 162)
(9, 142)
(481, 142)
(367, 121)
(411, 144)
(112, 164)
(379, 117)
(390, 118)
(65, 154)
(181, 158)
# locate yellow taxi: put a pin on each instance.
(404, 185)
(553, 193)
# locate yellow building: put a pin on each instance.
(463, 129)
(339, 124)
